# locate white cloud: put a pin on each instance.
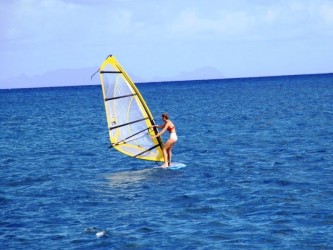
(222, 23)
(42, 35)
(326, 12)
(260, 20)
(271, 15)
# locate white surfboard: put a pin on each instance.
(174, 166)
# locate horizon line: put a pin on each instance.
(171, 81)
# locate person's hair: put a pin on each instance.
(165, 115)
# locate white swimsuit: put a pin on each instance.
(173, 136)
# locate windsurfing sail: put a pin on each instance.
(128, 116)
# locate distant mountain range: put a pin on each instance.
(78, 77)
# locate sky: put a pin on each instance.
(63, 42)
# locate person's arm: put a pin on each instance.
(165, 126)
(157, 126)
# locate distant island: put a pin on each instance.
(82, 77)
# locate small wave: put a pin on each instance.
(97, 231)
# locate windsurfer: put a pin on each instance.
(168, 125)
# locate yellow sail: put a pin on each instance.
(128, 116)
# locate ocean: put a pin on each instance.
(258, 175)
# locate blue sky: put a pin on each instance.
(62, 42)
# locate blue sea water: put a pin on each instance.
(259, 175)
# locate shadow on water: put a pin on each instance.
(141, 177)
(129, 178)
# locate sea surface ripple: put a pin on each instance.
(259, 169)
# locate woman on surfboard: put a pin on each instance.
(168, 125)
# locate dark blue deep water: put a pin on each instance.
(259, 175)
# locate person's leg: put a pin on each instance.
(167, 149)
(169, 156)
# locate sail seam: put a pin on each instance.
(110, 72)
(119, 97)
(149, 149)
(128, 123)
(124, 140)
